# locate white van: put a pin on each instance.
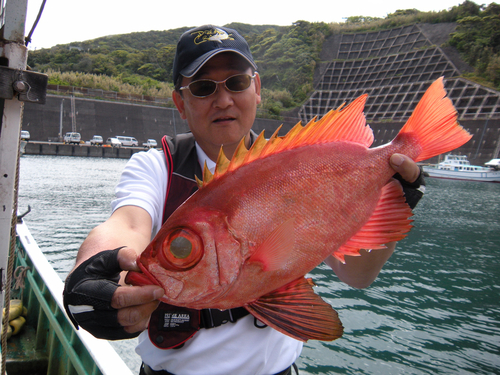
(96, 140)
(72, 137)
(127, 141)
(150, 143)
(113, 142)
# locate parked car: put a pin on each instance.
(150, 143)
(72, 137)
(127, 141)
(113, 142)
(25, 135)
(96, 140)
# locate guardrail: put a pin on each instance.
(114, 95)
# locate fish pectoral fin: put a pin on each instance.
(295, 310)
(275, 250)
(389, 222)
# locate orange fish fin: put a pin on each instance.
(198, 182)
(389, 222)
(238, 156)
(275, 250)
(434, 123)
(222, 164)
(256, 149)
(207, 176)
(348, 125)
(295, 310)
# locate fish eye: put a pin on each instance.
(181, 247)
(181, 250)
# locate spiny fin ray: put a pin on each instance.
(346, 125)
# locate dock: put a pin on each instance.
(82, 150)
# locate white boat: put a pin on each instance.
(494, 164)
(457, 167)
(43, 341)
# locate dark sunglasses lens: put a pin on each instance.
(202, 87)
(239, 82)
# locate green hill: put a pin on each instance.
(286, 55)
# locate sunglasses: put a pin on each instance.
(206, 87)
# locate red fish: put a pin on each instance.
(273, 213)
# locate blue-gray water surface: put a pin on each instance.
(434, 309)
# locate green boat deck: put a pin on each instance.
(22, 355)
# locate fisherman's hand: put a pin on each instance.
(410, 176)
(94, 300)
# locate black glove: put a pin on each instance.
(87, 296)
(413, 190)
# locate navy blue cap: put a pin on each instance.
(198, 45)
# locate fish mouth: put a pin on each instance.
(142, 277)
(138, 278)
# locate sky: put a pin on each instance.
(67, 21)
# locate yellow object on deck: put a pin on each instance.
(15, 310)
(17, 313)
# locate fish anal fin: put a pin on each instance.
(389, 222)
(275, 250)
(295, 310)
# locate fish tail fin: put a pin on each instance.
(434, 123)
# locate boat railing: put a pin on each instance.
(47, 326)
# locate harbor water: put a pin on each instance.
(434, 309)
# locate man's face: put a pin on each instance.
(224, 117)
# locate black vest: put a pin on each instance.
(182, 165)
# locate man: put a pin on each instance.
(217, 92)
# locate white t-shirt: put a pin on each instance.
(232, 348)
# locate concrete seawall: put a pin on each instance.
(82, 150)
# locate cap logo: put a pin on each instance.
(217, 35)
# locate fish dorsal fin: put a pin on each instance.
(239, 156)
(207, 176)
(348, 125)
(295, 310)
(389, 222)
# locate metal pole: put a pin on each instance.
(12, 50)
(73, 114)
(61, 121)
